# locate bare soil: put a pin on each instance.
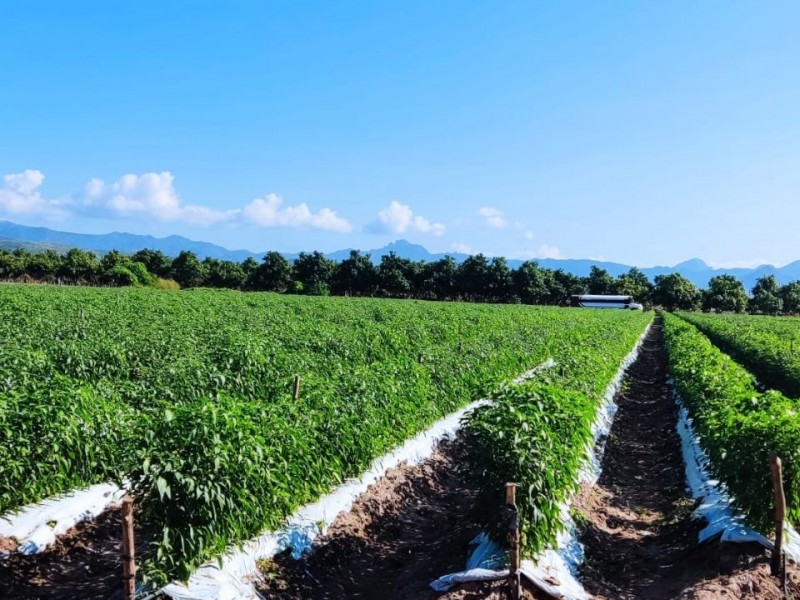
(640, 539)
(409, 528)
(83, 564)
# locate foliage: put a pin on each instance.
(600, 281)
(769, 347)
(675, 292)
(725, 293)
(536, 434)
(738, 426)
(274, 274)
(189, 395)
(187, 270)
(766, 296)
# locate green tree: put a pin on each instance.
(634, 283)
(223, 273)
(600, 281)
(395, 276)
(472, 276)
(79, 266)
(439, 279)
(675, 292)
(766, 296)
(355, 276)
(562, 285)
(313, 272)
(499, 283)
(531, 283)
(157, 262)
(119, 276)
(274, 274)
(790, 296)
(12, 264)
(725, 293)
(187, 270)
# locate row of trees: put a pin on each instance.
(477, 279)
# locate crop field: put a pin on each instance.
(738, 424)
(767, 346)
(189, 397)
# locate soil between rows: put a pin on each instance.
(409, 528)
(639, 536)
(83, 564)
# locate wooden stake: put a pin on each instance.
(514, 581)
(780, 511)
(297, 387)
(128, 560)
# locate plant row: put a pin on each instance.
(768, 347)
(737, 425)
(537, 434)
(190, 395)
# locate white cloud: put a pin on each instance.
(462, 248)
(267, 212)
(493, 217)
(598, 258)
(543, 251)
(528, 235)
(548, 251)
(20, 196)
(152, 195)
(399, 218)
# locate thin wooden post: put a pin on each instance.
(780, 511)
(128, 550)
(297, 387)
(514, 581)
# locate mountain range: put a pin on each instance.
(13, 235)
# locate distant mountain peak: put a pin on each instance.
(693, 264)
(404, 245)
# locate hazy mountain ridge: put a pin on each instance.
(42, 238)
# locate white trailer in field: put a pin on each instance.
(604, 301)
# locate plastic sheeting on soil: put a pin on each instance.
(548, 364)
(555, 571)
(232, 576)
(715, 502)
(36, 526)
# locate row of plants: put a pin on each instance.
(737, 425)
(189, 395)
(537, 434)
(768, 347)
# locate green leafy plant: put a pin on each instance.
(738, 426)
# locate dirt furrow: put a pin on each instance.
(640, 539)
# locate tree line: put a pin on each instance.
(476, 279)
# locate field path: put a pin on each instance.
(639, 537)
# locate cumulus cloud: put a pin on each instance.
(153, 195)
(462, 248)
(548, 251)
(268, 212)
(20, 196)
(399, 218)
(543, 251)
(493, 217)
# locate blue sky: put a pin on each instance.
(640, 132)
